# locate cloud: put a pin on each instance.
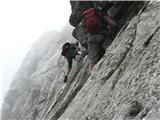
(22, 22)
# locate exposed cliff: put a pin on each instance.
(34, 81)
(124, 85)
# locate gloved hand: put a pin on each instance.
(65, 79)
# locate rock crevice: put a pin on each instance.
(124, 85)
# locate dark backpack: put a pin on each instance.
(69, 47)
(92, 20)
(65, 48)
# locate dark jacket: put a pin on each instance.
(70, 55)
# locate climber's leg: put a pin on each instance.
(94, 42)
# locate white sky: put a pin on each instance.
(21, 23)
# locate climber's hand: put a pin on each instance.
(65, 79)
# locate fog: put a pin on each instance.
(23, 22)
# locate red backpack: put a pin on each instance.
(92, 20)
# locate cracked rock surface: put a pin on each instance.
(124, 85)
(128, 72)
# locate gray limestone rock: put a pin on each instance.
(124, 85)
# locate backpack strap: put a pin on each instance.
(97, 7)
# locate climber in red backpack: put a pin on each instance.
(98, 26)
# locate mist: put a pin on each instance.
(22, 23)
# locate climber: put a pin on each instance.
(99, 28)
(70, 51)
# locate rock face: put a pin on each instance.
(124, 85)
(33, 83)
